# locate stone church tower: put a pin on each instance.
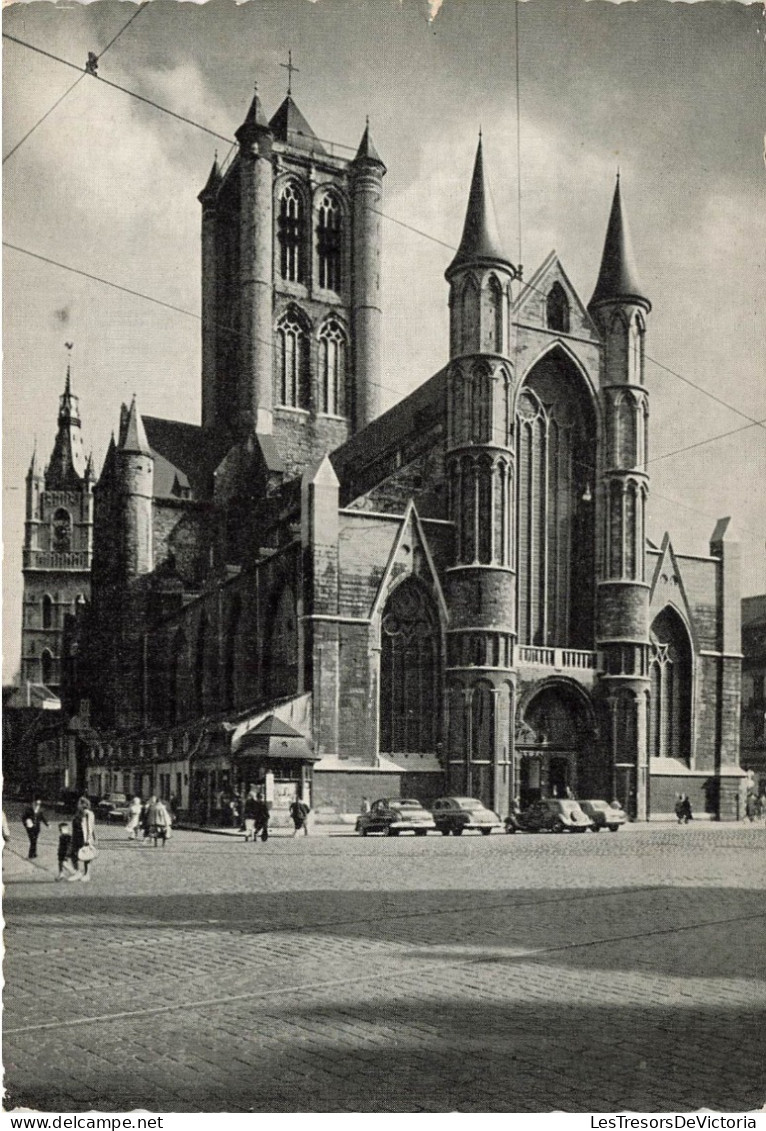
(58, 539)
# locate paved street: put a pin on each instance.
(507, 974)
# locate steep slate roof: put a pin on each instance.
(385, 434)
(184, 454)
(618, 278)
(367, 150)
(480, 241)
(289, 125)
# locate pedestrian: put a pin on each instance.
(250, 815)
(365, 806)
(157, 821)
(299, 812)
(134, 818)
(751, 806)
(83, 840)
(234, 812)
(64, 849)
(32, 818)
(6, 830)
(678, 808)
(261, 817)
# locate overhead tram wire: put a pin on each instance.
(518, 132)
(77, 81)
(122, 89)
(233, 330)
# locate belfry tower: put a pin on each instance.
(619, 307)
(480, 465)
(291, 315)
(58, 542)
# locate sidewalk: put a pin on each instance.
(280, 831)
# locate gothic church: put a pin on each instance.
(456, 596)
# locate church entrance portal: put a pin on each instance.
(555, 745)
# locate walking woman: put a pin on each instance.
(83, 840)
(134, 818)
(157, 821)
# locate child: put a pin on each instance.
(65, 848)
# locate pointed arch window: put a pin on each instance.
(230, 654)
(292, 362)
(290, 233)
(47, 667)
(493, 316)
(283, 645)
(329, 233)
(48, 612)
(199, 665)
(62, 531)
(333, 352)
(670, 673)
(557, 309)
(410, 671)
(469, 316)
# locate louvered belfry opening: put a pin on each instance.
(555, 457)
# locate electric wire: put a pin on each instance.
(122, 89)
(76, 82)
(518, 131)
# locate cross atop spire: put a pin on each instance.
(288, 66)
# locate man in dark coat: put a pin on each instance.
(261, 818)
(32, 818)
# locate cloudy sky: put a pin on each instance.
(671, 93)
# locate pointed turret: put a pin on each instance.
(367, 150)
(289, 126)
(618, 279)
(255, 122)
(480, 243)
(133, 438)
(67, 463)
(212, 185)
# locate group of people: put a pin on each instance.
(755, 804)
(153, 817)
(77, 838)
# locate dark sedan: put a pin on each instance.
(457, 815)
(394, 815)
(549, 815)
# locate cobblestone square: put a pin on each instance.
(332, 974)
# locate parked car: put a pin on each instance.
(112, 807)
(549, 815)
(457, 814)
(604, 815)
(393, 815)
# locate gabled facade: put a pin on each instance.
(457, 595)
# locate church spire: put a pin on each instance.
(480, 242)
(67, 463)
(255, 122)
(134, 438)
(618, 279)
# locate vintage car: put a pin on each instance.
(112, 807)
(456, 815)
(394, 815)
(604, 815)
(549, 815)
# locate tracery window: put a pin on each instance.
(557, 309)
(332, 368)
(290, 234)
(47, 665)
(670, 686)
(282, 648)
(555, 456)
(329, 235)
(292, 362)
(410, 666)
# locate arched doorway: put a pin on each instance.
(556, 750)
